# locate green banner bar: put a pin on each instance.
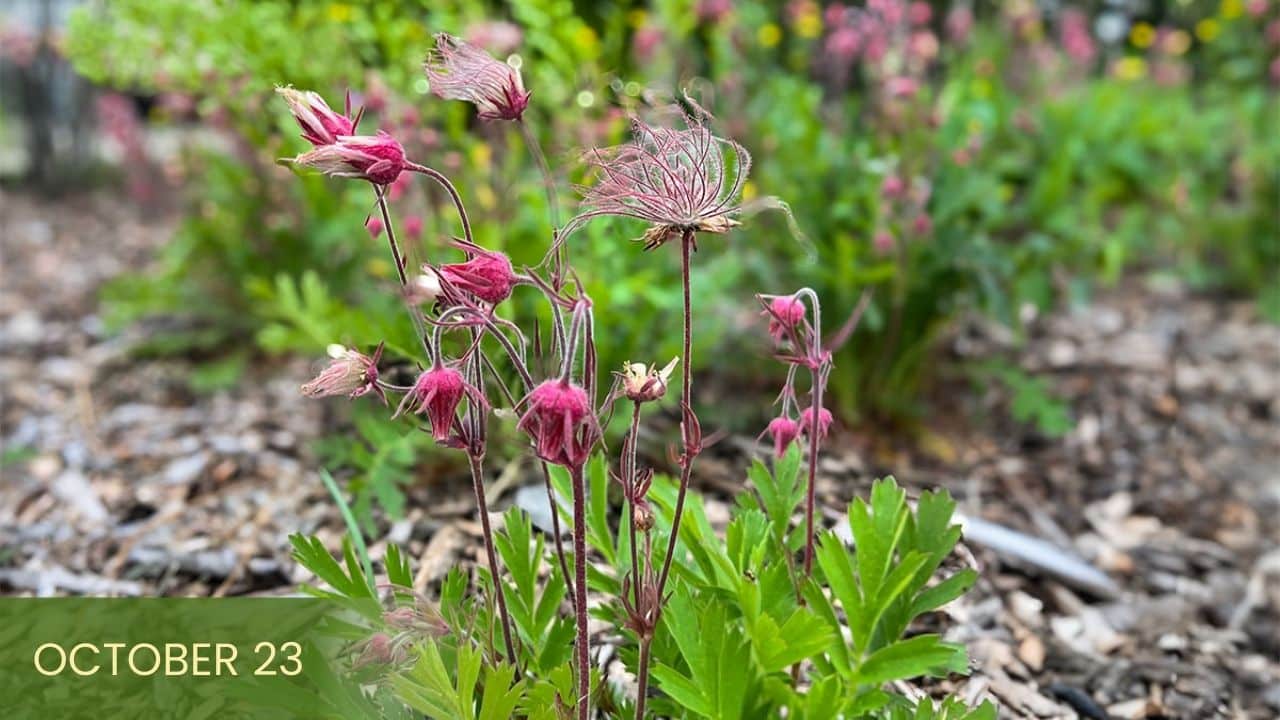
(225, 658)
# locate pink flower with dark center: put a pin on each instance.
(374, 226)
(560, 422)
(785, 313)
(824, 422)
(784, 431)
(488, 275)
(376, 158)
(437, 392)
(674, 179)
(320, 125)
(349, 373)
(459, 70)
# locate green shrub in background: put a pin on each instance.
(1039, 174)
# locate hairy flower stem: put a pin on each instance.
(527, 380)
(629, 470)
(391, 235)
(553, 201)
(580, 591)
(642, 679)
(815, 393)
(445, 183)
(686, 402)
(477, 483)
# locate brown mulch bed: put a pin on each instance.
(119, 480)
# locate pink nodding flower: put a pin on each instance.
(349, 373)
(488, 275)
(320, 125)
(437, 392)
(376, 158)
(374, 226)
(785, 313)
(920, 12)
(459, 70)
(784, 431)
(560, 422)
(824, 422)
(883, 242)
(922, 225)
(675, 179)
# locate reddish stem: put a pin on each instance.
(580, 591)
(477, 482)
(686, 402)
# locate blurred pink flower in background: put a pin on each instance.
(713, 11)
(883, 242)
(959, 24)
(374, 226)
(1075, 37)
(646, 42)
(1275, 71)
(497, 36)
(921, 13)
(901, 86)
(413, 226)
(1256, 8)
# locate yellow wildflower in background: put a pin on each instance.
(1130, 68)
(637, 18)
(748, 190)
(338, 12)
(1231, 9)
(769, 35)
(481, 155)
(1142, 35)
(808, 21)
(1208, 29)
(586, 39)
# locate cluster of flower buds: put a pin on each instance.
(798, 344)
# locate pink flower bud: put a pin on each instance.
(784, 431)
(892, 188)
(459, 70)
(559, 419)
(487, 275)
(349, 373)
(922, 225)
(901, 86)
(785, 313)
(413, 226)
(374, 226)
(320, 125)
(376, 158)
(1256, 8)
(438, 391)
(883, 242)
(824, 422)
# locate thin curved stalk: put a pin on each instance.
(686, 469)
(477, 483)
(580, 592)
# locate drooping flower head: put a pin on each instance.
(459, 70)
(437, 392)
(374, 226)
(560, 421)
(488, 275)
(675, 179)
(783, 430)
(785, 313)
(824, 422)
(376, 158)
(349, 373)
(320, 124)
(641, 383)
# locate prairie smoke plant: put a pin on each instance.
(677, 180)
(376, 158)
(488, 275)
(459, 70)
(320, 125)
(641, 383)
(349, 373)
(783, 431)
(438, 392)
(560, 421)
